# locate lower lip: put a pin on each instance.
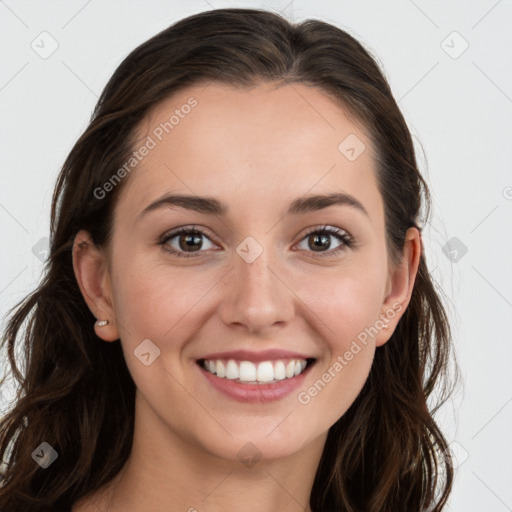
(254, 393)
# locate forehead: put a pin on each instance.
(259, 146)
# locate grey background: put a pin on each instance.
(457, 102)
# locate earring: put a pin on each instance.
(385, 326)
(101, 323)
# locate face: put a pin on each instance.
(267, 281)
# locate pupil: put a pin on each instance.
(190, 241)
(325, 242)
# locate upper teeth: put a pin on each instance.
(246, 371)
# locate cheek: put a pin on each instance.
(346, 305)
(157, 304)
(160, 303)
(346, 302)
(346, 310)
(148, 293)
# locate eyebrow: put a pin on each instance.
(212, 206)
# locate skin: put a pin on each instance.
(256, 150)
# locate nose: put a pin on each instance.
(257, 298)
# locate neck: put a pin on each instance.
(167, 471)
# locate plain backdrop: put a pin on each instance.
(449, 66)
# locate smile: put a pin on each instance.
(247, 372)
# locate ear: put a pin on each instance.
(400, 285)
(93, 277)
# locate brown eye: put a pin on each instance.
(319, 240)
(186, 242)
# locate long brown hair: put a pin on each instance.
(387, 452)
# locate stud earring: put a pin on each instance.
(101, 323)
(385, 326)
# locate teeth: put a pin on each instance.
(221, 371)
(232, 370)
(263, 372)
(247, 371)
(279, 371)
(290, 369)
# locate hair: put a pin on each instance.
(386, 453)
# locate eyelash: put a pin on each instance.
(342, 236)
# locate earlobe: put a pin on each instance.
(400, 286)
(92, 275)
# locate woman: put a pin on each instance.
(237, 312)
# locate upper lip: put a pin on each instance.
(256, 357)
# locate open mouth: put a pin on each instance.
(263, 372)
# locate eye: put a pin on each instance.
(189, 239)
(319, 239)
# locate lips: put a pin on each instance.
(255, 376)
(253, 392)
